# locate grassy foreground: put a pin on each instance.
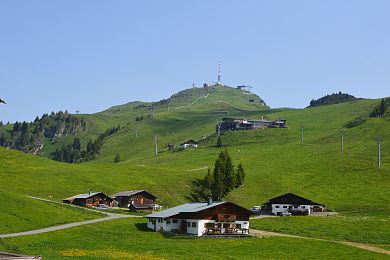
(128, 239)
(362, 227)
(23, 213)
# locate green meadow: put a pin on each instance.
(129, 239)
(276, 161)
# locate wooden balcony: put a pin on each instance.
(226, 232)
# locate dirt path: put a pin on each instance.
(65, 226)
(373, 248)
(110, 216)
(198, 169)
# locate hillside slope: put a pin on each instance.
(275, 160)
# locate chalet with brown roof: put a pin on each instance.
(210, 218)
(92, 199)
(135, 200)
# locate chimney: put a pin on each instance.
(209, 201)
(89, 192)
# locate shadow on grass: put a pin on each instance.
(143, 227)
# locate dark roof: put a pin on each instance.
(130, 193)
(291, 198)
(85, 196)
(190, 142)
(191, 207)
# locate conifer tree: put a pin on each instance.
(240, 176)
(76, 144)
(117, 158)
(217, 189)
(219, 141)
(229, 173)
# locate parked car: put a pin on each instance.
(102, 206)
(285, 214)
(255, 209)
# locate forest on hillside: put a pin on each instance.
(334, 98)
(29, 137)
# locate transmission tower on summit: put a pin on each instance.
(219, 74)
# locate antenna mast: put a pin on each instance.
(219, 74)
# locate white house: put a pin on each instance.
(293, 204)
(189, 143)
(202, 218)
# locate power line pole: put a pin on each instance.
(342, 139)
(302, 133)
(136, 132)
(379, 152)
(155, 144)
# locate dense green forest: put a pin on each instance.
(29, 137)
(334, 98)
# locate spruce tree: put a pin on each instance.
(382, 108)
(117, 158)
(229, 174)
(217, 188)
(209, 179)
(219, 141)
(240, 176)
(76, 144)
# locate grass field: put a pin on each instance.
(363, 227)
(129, 239)
(20, 213)
(275, 161)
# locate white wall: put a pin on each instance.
(284, 208)
(198, 230)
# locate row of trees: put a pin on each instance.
(334, 98)
(221, 181)
(73, 153)
(380, 110)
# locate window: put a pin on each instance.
(303, 207)
(295, 207)
(193, 224)
(160, 220)
(209, 225)
(285, 207)
(174, 221)
(188, 224)
(168, 222)
(277, 207)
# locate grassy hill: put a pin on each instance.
(275, 160)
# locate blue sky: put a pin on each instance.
(89, 55)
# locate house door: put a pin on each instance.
(183, 227)
(289, 208)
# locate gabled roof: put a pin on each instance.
(188, 208)
(291, 198)
(130, 193)
(190, 142)
(83, 196)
